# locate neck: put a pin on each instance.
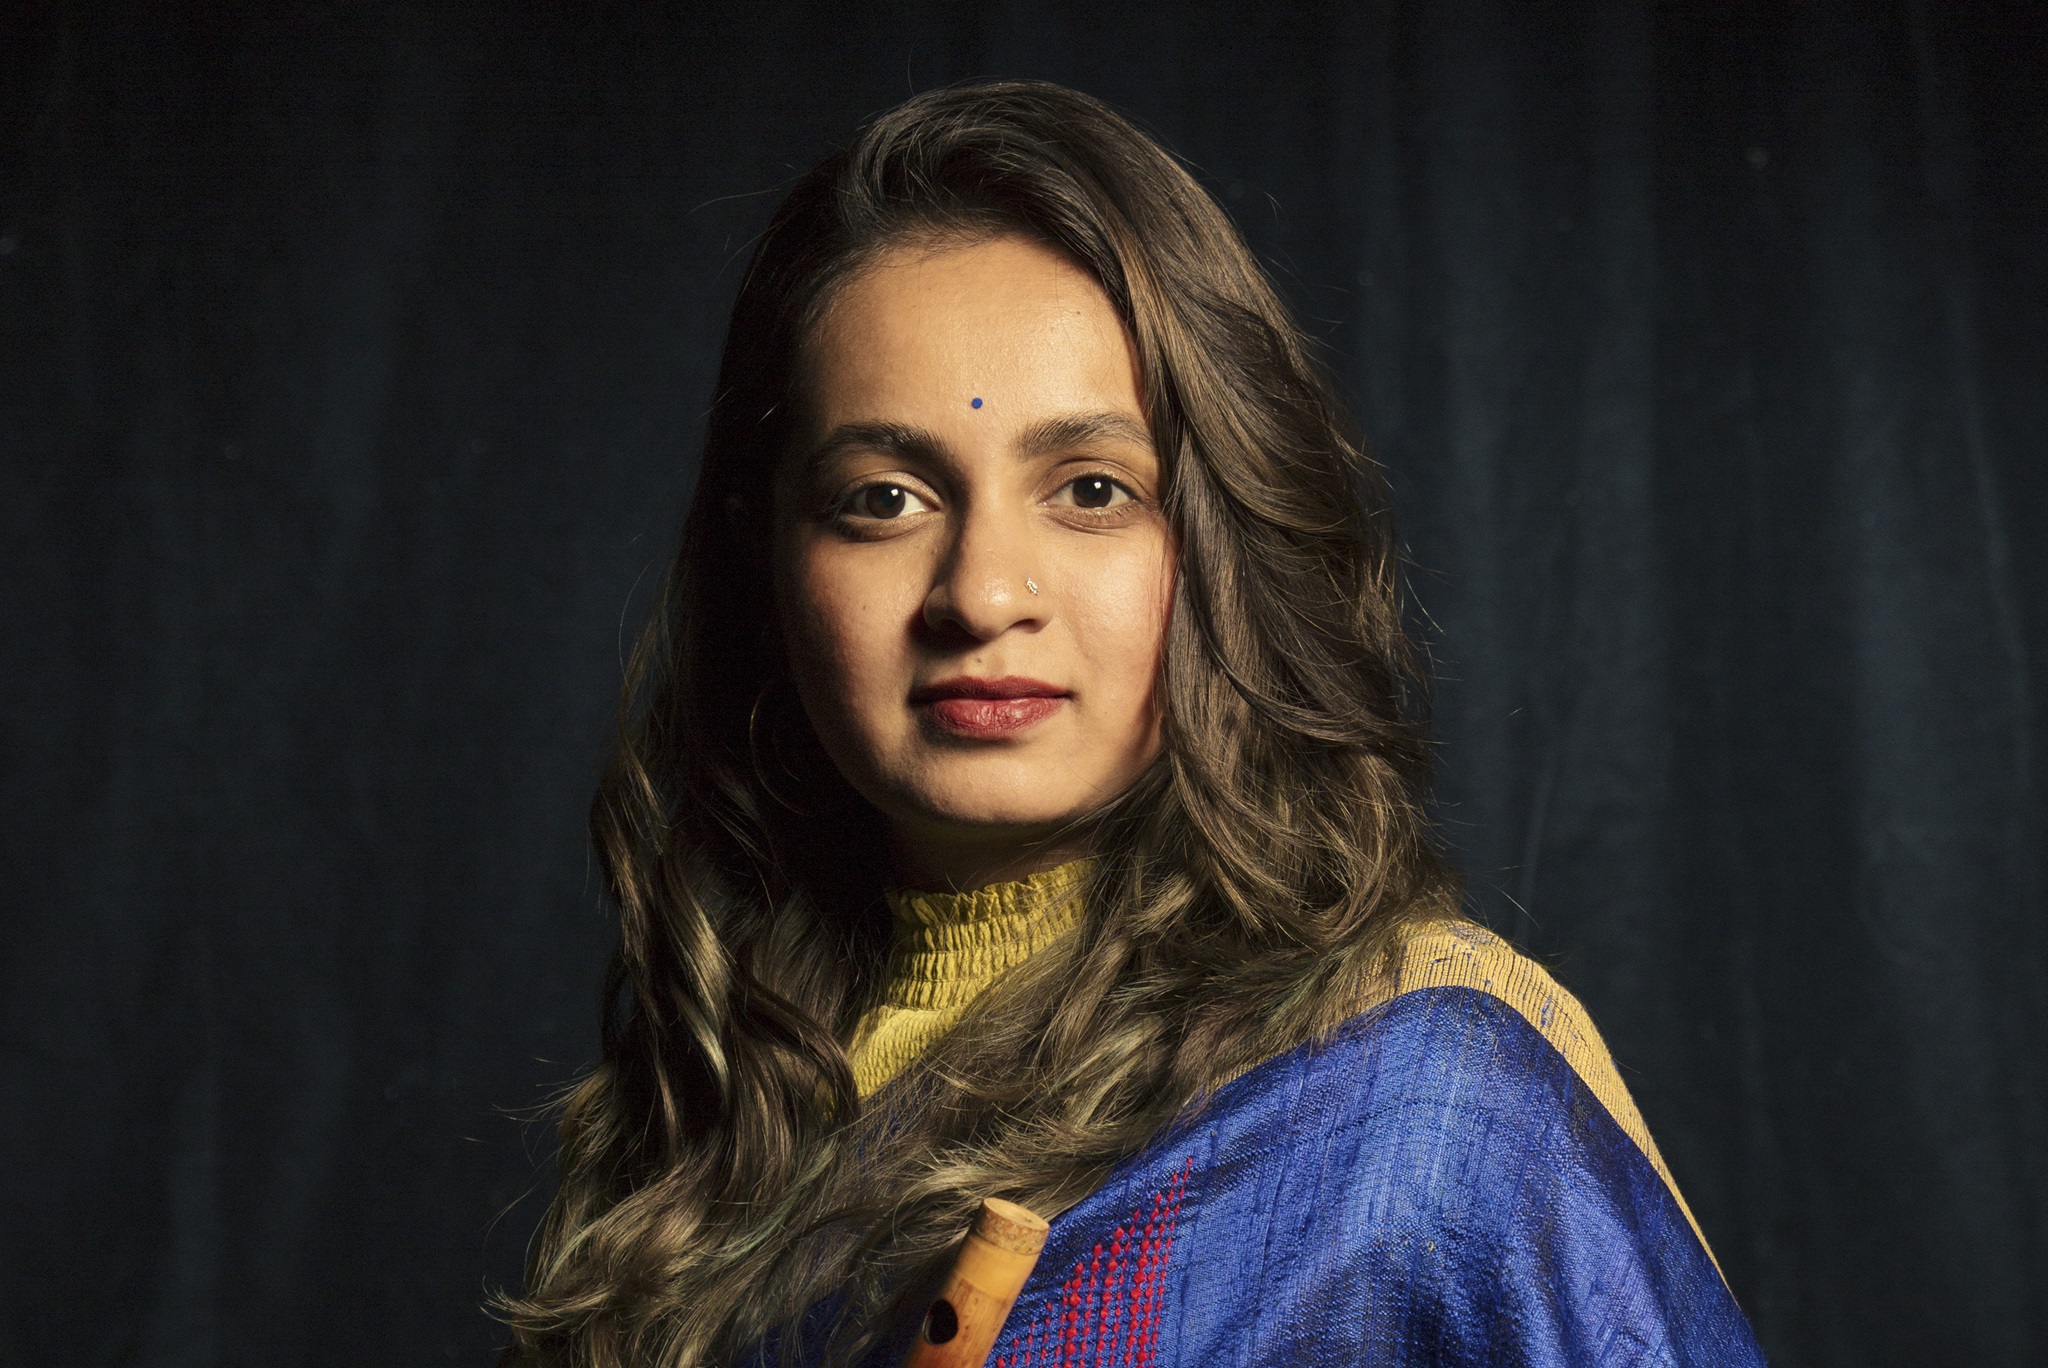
(956, 862)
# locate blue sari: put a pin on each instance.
(1456, 1177)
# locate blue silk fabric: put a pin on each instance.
(1433, 1185)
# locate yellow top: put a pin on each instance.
(949, 948)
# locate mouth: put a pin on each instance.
(988, 709)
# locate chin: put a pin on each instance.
(996, 802)
(1004, 818)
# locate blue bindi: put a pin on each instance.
(977, 403)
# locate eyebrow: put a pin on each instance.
(1040, 439)
(897, 438)
(1057, 434)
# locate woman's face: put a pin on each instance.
(973, 570)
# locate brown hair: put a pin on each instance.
(720, 1178)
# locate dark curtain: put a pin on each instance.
(354, 363)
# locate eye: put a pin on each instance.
(1093, 491)
(883, 502)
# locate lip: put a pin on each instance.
(988, 709)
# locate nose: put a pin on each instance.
(981, 588)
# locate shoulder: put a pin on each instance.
(1459, 1166)
(1468, 1053)
(1454, 1176)
(1450, 955)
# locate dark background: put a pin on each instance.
(354, 363)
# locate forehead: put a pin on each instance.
(932, 328)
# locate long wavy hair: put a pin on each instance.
(722, 1185)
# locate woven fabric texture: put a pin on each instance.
(1457, 1177)
(1436, 1185)
(1462, 955)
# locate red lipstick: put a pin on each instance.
(988, 709)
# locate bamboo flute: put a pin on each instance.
(995, 1260)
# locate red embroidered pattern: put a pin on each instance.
(1108, 1312)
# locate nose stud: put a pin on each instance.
(1032, 585)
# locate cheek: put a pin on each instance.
(839, 627)
(1125, 614)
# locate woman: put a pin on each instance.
(1020, 793)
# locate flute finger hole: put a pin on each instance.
(941, 1323)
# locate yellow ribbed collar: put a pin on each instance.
(950, 946)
